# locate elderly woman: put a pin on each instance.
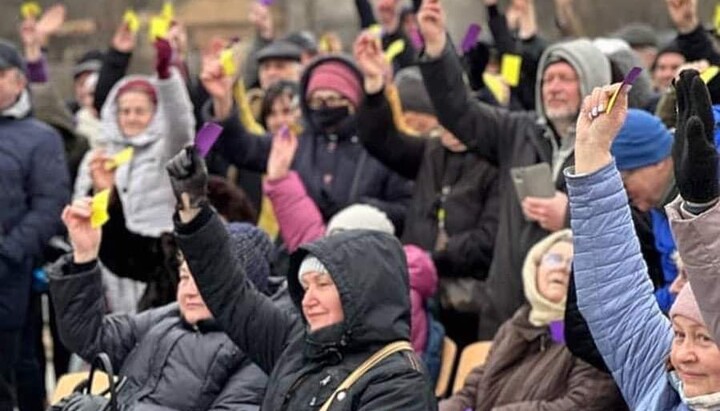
(350, 350)
(659, 363)
(154, 117)
(529, 366)
(173, 357)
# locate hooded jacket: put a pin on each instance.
(335, 168)
(370, 273)
(34, 187)
(510, 139)
(528, 370)
(167, 362)
(143, 184)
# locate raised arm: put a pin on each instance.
(376, 127)
(77, 293)
(695, 215)
(487, 130)
(115, 64)
(236, 143)
(175, 102)
(614, 293)
(250, 319)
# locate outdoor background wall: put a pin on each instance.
(92, 22)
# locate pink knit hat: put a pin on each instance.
(686, 306)
(336, 76)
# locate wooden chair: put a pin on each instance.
(472, 356)
(449, 353)
(67, 383)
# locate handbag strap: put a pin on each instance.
(376, 358)
(103, 362)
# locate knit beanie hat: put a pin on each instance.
(139, 85)
(638, 35)
(336, 76)
(686, 305)
(413, 94)
(252, 247)
(642, 141)
(311, 264)
(360, 217)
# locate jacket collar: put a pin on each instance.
(20, 109)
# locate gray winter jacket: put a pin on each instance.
(168, 363)
(143, 183)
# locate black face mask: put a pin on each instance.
(328, 118)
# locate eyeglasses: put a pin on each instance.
(555, 260)
(316, 103)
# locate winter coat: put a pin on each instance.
(143, 184)
(526, 370)
(507, 140)
(470, 205)
(305, 367)
(335, 169)
(614, 294)
(34, 188)
(301, 222)
(49, 108)
(166, 361)
(696, 235)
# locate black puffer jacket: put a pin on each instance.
(167, 362)
(305, 368)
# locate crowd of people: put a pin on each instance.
(362, 205)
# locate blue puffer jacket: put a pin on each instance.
(34, 187)
(614, 293)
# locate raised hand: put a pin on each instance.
(283, 150)
(101, 177)
(189, 178)
(695, 156)
(31, 39)
(683, 14)
(124, 39)
(371, 60)
(433, 26)
(217, 84)
(84, 238)
(261, 18)
(596, 129)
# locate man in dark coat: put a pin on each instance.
(352, 289)
(566, 72)
(34, 185)
(173, 357)
(335, 168)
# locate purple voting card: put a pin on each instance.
(471, 38)
(417, 39)
(557, 331)
(266, 3)
(206, 138)
(628, 81)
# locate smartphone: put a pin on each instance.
(533, 181)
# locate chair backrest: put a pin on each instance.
(472, 356)
(67, 383)
(449, 353)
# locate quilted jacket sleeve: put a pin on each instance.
(614, 293)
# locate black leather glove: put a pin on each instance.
(694, 152)
(188, 174)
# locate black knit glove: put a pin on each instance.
(189, 175)
(694, 152)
